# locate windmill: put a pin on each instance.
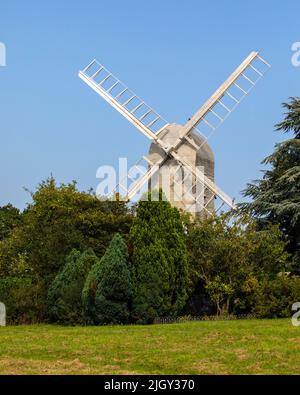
(183, 149)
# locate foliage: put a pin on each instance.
(59, 219)
(219, 292)
(64, 295)
(89, 292)
(158, 259)
(291, 123)
(276, 197)
(229, 262)
(108, 290)
(114, 291)
(21, 298)
(10, 217)
(229, 256)
(274, 299)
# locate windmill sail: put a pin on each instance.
(227, 97)
(116, 93)
(146, 173)
(206, 120)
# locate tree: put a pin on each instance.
(10, 217)
(21, 298)
(64, 295)
(59, 219)
(275, 298)
(158, 259)
(276, 197)
(114, 291)
(108, 289)
(230, 256)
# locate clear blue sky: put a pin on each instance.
(172, 53)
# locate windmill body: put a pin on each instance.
(199, 154)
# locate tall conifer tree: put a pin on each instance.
(159, 260)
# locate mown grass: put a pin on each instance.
(218, 347)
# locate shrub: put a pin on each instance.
(59, 218)
(108, 289)
(21, 298)
(274, 299)
(230, 256)
(64, 295)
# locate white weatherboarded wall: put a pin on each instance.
(2, 314)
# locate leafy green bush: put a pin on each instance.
(108, 289)
(64, 295)
(230, 256)
(21, 298)
(274, 299)
(59, 218)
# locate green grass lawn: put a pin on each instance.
(222, 347)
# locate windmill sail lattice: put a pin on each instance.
(228, 96)
(116, 93)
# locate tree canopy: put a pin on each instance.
(10, 217)
(229, 256)
(276, 197)
(59, 219)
